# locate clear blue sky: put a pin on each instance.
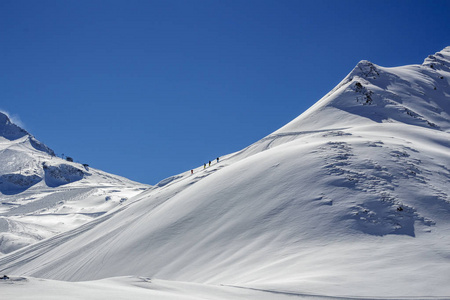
(149, 89)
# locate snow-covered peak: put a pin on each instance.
(14, 134)
(35, 184)
(365, 69)
(9, 130)
(414, 95)
(439, 61)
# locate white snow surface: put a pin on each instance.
(137, 288)
(43, 195)
(351, 199)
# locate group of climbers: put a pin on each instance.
(209, 164)
(204, 165)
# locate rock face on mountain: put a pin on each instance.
(352, 195)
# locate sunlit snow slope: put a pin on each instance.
(43, 195)
(349, 199)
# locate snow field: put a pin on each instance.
(348, 200)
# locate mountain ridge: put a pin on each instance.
(43, 195)
(11, 132)
(349, 198)
(370, 88)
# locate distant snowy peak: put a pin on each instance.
(416, 95)
(9, 130)
(43, 195)
(12, 132)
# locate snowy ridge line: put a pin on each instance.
(164, 183)
(200, 174)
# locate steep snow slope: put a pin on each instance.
(43, 195)
(349, 199)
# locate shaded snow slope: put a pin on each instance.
(349, 199)
(43, 195)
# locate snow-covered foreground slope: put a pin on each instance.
(43, 195)
(21, 288)
(350, 199)
(135, 288)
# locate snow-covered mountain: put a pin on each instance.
(350, 199)
(43, 195)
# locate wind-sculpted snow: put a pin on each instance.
(351, 199)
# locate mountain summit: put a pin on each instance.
(351, 198)
(10, 130)
(415, 94)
